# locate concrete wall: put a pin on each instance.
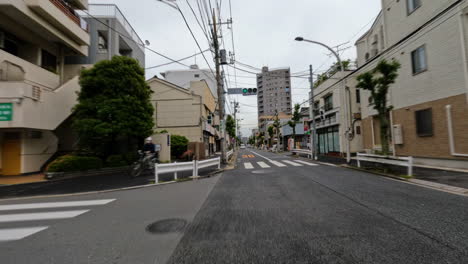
(35, 152)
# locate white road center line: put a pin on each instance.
(306, 163)
(248, 165)
(278, 164)
(40, 216)
(53, 205)
(263, 164)
(19, 233)
(292, 163)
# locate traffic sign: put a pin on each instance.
(6, 111)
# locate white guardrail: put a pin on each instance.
(229, 154)
(193, 166)
(399, 161)
(302, 151)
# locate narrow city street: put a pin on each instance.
(270, 209)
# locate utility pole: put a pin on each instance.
(219, 82)
(312, 115)
(236, 107)
(277, 131)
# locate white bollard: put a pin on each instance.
(195, 168)
(175, 173)
(219, 163)
(358, 161)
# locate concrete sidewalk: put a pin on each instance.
(20, 179)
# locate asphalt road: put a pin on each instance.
(270, 209)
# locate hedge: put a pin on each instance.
(70, 163)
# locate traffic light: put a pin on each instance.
(249, 91)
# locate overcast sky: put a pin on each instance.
(264, 32)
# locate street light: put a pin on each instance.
(348, 152)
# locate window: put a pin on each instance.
(102, 41)
(48, 61)
(358, 96)
(424, 122)
(197, 76)
(413, 5)
(328, 102)
(418, 59)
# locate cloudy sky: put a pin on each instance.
(264, 32)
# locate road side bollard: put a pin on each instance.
(156, 178)
(410, 166)
(219, 163)
(175, 174)
(195, 168)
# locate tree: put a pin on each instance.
(230, 126)
(271, 132)
(336, 67)
(113, 106)
(378, 81)
(296, 117)
(178, 145)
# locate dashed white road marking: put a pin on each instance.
(276, 163)
(11, 207)
(306, 163)
(19, 233)
(292, 163)
(40, 216)
(263, 164)
(248, 165)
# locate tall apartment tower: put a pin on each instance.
(274, 91)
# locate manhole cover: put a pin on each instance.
(261, 171)
(167, 226)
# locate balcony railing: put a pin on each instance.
(69, 12)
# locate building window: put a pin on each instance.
(358, 96)
(419, 60)
(328, 102)
(424, 122)
(102, 41)
(197, 75)
(413, 5)
(49, 61)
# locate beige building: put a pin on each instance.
(430, 96)
(37, 88)
(336, 112)
(186, 112)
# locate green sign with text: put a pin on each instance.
(6, 111)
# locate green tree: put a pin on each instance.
(178, 145)
(296, 117)
(336, 67)
(378, 81)
(271, 132)
(113, 107)
(230, 126)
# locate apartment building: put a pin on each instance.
(37, 86)
(187, 112)
(183, 78)
(274, 91)
(430, 97)
(111, 35)
(337, 116)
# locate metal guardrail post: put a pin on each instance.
(358, 161)
(410, 166)
(175, 173)
(195, 168)
(219, 163)
(156, 177)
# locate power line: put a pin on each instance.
(185, 58)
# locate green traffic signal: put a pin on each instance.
(245, 90)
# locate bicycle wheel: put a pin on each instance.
(137, 169)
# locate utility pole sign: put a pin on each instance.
(6, 111)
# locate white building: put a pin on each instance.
(182, 78)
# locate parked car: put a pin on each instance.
(242, 146)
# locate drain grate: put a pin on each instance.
(167, 226)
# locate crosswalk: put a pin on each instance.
(24, 215)
(274, 163)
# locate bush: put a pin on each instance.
(116, 161)
(71, 163)
(131, 157)
(178, 145)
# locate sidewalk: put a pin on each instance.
(9, 180)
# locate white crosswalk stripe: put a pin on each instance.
(20, 232)
(292, 163)
(248, 165)
(306, 163)
(278, 164)
(263, 164)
